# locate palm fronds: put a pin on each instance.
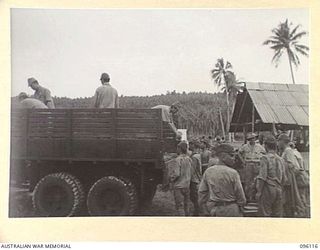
(284, 38)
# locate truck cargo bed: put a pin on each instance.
(90, 134)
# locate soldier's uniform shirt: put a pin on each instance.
(251, 155)
(221, 184)
(213, 161)
(44, 95)
(106, 97)
(205, 157)
(293, 202)
(196, 176)
(180, 177)
(299, 158)
(291, 162)
(165, 113)
(31, 103)
(196, 168)
(272, 170)
(272, 173)
(180, 174)
(303, 190)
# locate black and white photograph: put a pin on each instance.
(159, 112)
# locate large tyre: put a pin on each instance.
(112, 196)
(58, 195)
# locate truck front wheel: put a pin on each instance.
(58, 194)
(112, 196)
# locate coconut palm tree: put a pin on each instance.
(285, 39)
(226, 81)
(233, 86)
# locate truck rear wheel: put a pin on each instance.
(58, 194)
(112, 196)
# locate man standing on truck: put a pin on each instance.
(270, 181)
(250, 155)
(168, 112)
(220, 191)
(196, 174)
(105, 96)
(180, 176)
(30, 103)
(41, 93)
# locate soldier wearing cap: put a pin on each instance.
(196, 174)
(293, 205)
(168, 113)
(220, 192)
(250, 155)
(105, 96)
(180, 177)
(270, 181)
(30, 103)
(41, 93)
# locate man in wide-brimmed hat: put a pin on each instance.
(41, 93)
(250, 154)
(220, 191)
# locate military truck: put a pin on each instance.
(102, 161)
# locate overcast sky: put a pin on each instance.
(146, 52)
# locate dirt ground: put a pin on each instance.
(162, 205)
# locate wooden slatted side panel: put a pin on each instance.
(18, 123)
(19, 131)
(115, 133)
(137, 149)
(92, 123)
(169, 138)
(46, 123)
(91, 133)
(168, 133)
(137, 124)
(48, 133)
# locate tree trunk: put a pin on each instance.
(228, 118)
(222, 125)
(290, 63)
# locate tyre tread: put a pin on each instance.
(76, 187)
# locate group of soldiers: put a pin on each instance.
(220, 181)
